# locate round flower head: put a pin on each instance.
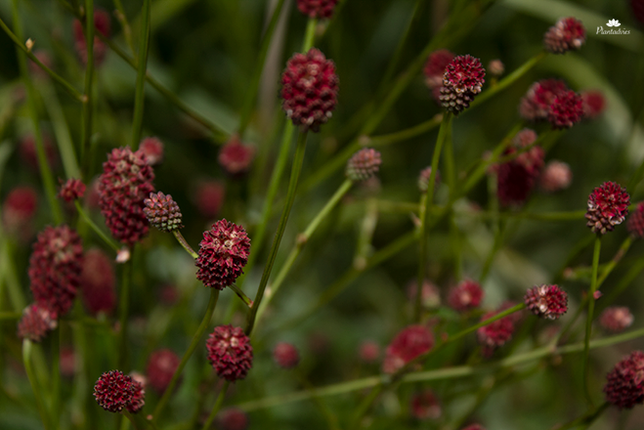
(567, 35)
(98, 283)
(55, 268)
(496, 334)
(161, 367)
(536, 103)
(309, 89)
(230, 352)
(126, 181)
(162, 212)
(209, 197)
(565, 110)
(594, 103)
(555, 176)
(424, 406)
(36, 322)
(435, 67)
(115, 391)
(72, 190)
(616, 318)
(363, 165)
(625, 383)
(232, 419)
(18, 211)
(317, 8)
(285, 355)
(462, 81)
(102, 25)
(235, 157)
(153, 150)
(369, 351)
(607, 207)
(223, 253)
(496, 68)
(423, 179)
(548, 301)
(635, 223)
(467, 295)
(408, 344)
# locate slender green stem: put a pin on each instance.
(241, 295)
(364, 406)
(56, 339)
(216, 406)
(589, 318)
(17, 41)
(196, 339)
(43, 163)
(10, 316)
(184, 244)
(124, 307)
(298, 160)
(300, 242)
(251, 95)
(96, 228)
(309, 35)
(443, 133)
(40, 403)
(586, 419)
(127, 30)
(616, 259)
(88, 102)
(141, 71)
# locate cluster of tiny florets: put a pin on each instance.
(625, 383)
(407, 345)
(462, 81)
(286, 355)
(126, 181)
(230, 352)
(635, 223)
(235, 157)
(115, 391)
(616, 318)
(153, 149)
(495, 334)
(162, 212)
(552, 100)
(363, 165)
(98, 283)
(317, 8)
(548, 301)
(161, 367)
(55, 268)
(71, 190)
(36, 322)
(223, 253)
(607, 207)
(467, 295)
(18, 211)
(566, 110)
(567, 35)
(309, 89)
(594, 103)
(555, 176)
(435, 69)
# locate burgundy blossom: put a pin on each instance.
(555, 176)
(152, 149)
(496, 334)
(161, 367)
(209, 198)
(435, 67)
(101, 25)
(98, 283)
(230, 352)
(72, 189)
(536, 103)
(408, 344)
(594, 103)
(548, 301)
(115, 391)
(18, 211)
(565, 110)
(363, 165)
(616, 318)
(462, 81)
(162, 212)
(466, 296)
(286, 355)
(635, 223)
(235, 157)
(369, 351)
(607, 207)
(36, 322)
(568, 34)
(625, 383)
(317, 8)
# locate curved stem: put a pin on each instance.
(589, 318)
(184, 244)
(124, 305)
(217, 406)
(141, 70)
(290, 198)
(214, 295)
(96, 229)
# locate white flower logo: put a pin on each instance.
(613, 23)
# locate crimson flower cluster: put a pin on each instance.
(616, 318)
(624, 384)
(103, 26)
(363, 165)
(286, 355)
(567, 34)
(555, 176)
(36, 322)
(153, 149)
(115, 391)
(434, 70)
(553, 101)
(161, 367)
(635, 223)
(496, 334)
(162, 212)
(607, 207)
(547, 301)
(235, 157)
(462, 81)
(317, 8)
(71, 190)
(466, 296)
(230, 352)
(408, 344)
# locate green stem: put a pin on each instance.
(40, 403)
(141, 71)
(251, 95)
(244, 298)
(19, 44)
(184, 244)
(309, 35)
(127, 30)
(300, 242)
(124, 305)
(616, 259)
(196, 339)
(298, 160)
(216, 406)
(586, 419)
(43, 163)
(589, 319)
(56, 339)
(89, 78)
(96, 228)
(443, 132)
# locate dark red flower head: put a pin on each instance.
(568, 34)
(369, 351)
(126, 181)
(223, 253)
(235, 157)
(548, 301)
(462, 81)
(635, 223)
(162, 212)
(467, 295)
(209, 198)
(555, 176)
(496, 334)
(55, 268)
(153, 149)
(535, 105)
(18, 210)
(424, 406)
(616, 318)
(363, 165)
(594, 103)
(161, 367)
(72, 190)
(309, 89)
(232, 419)
(98, 283)
(625, 383)
(230, 352)
(317, 8)
(435, 67)
(408, 344)
(115, 391)
(607, 207)
(103, 26)
(565, 110)
(286, 355)
(36, 322)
